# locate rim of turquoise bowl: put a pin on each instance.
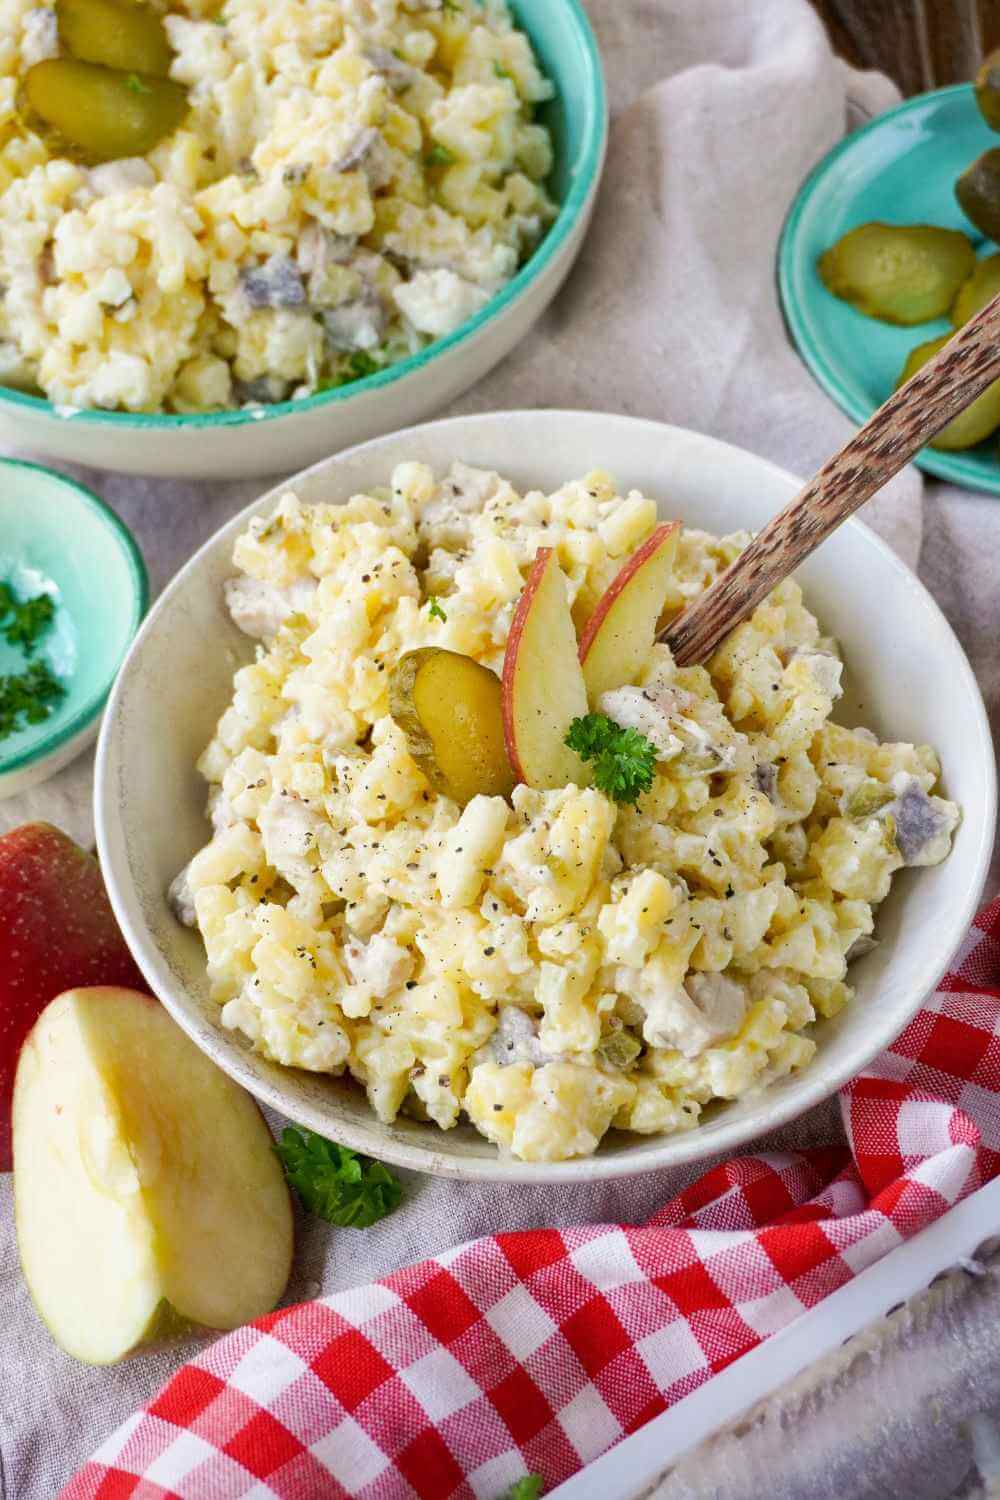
(583, 177)
(965, 472)
(48, 744)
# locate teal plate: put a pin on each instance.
(900, 169)
(58, 538)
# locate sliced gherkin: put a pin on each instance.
(988, 89)
(116, 34)
(95, 114)
(981, 287)
(970, 426)
(978, 193)
(900, 273)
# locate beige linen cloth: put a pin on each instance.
(720, 108)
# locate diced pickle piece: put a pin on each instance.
(95, 114)
(619, 1049)
(115, 33)
(901, 273)
(988, 89)
(981, 287)
(970, 426)
(448, 706)
(978, 193)
(870, 797)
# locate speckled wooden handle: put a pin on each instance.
(945, 386)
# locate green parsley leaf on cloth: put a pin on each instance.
(336, 1183)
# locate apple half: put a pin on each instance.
(147, 1197)
(617, 638)
(543, 689)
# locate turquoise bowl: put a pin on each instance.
(288, 435)
(59, 539)
(900, 169)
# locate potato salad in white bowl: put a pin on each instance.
(487, 884)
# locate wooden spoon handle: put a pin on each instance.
(914, 414)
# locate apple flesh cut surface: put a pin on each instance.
(57, 929)
(448, 706)
(543, 686)
(147, 1197)
(616, 640)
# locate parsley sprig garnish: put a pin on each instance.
(624, 759)
(29, 619)
(434, 608)
(336, 1183)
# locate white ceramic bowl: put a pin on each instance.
(273, 439)
(906, 676)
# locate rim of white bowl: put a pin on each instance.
(675, 1150)
(583, 180)
(48, 744)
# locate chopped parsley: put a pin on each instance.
(136, 84)
(528, 1488)
(28, 697)
(362, 364)
(434, 608)
(336, 1183)
(502, 72)
(28, 620)
(359, 365)
(439, 156)
(623, 759)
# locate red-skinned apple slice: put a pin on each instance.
(616, 640)
(148, 1199)
(57, 929)
(543, 689)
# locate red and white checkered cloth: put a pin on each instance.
(536, 1351)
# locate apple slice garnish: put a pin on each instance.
(147, 1196)
(57, 929)
(543, 686)
(616, 640)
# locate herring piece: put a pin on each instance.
(514, 1041)
(438, 302)
(276, 283)
(381, 965)
(290, 831)
(263, 391)
(366, 153)
(260, 609)
(647, 710)
(705, 1009)
(180, 898)
(356, 325)
(398, 73)
(824, 668)
(221, 813)
(923, 825)
(765, 779)
(721, 1001)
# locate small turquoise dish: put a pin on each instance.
(58, 538)
(900, 169)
